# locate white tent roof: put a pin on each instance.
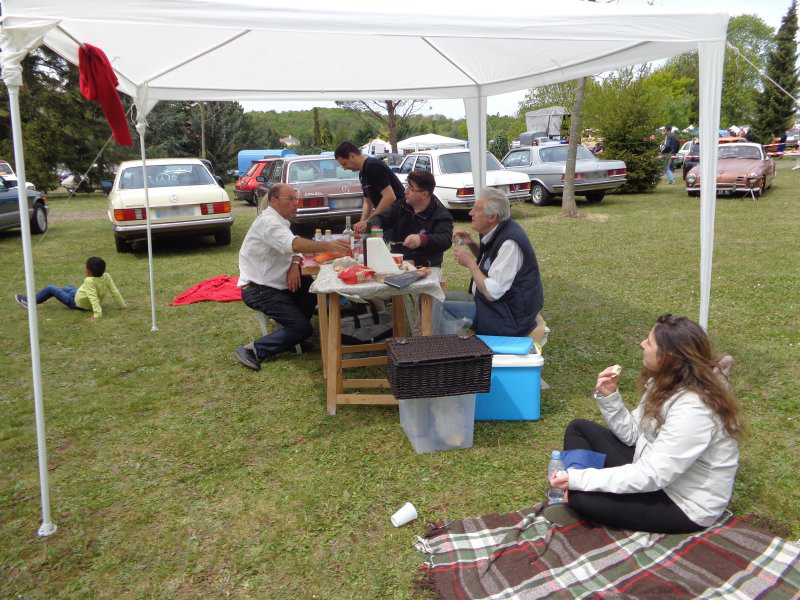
(429, 141)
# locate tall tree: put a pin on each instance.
(775, 110)
(391, 114)
(568, 206)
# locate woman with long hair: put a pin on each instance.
(670, 463)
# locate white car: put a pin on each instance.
(184, 199)
(8, 174)
(453, 172)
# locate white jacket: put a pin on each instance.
(691, 457)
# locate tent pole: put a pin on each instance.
(141, 126)
(47, 527)
(475, 109)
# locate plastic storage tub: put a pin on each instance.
(515, 391)
(438, 423)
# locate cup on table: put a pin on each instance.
(398, 259)
(406, 514)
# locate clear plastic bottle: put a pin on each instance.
(554, 495)
(318, 235)
(328, 237)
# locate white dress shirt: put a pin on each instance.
(503, 269)
(266, 253)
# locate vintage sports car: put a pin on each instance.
(545, 166)
(741, 168)
(453, 172)
(185, 199)
(326, 193)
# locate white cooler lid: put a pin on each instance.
(517, 360)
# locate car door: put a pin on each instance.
(9, 205)
(423, 163)
(408, 165)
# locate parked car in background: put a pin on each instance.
(326, 193)
(545, 166)
(9, 207)
(741, 168)
(185, 199)
(246, 184)
(7, 173)
(453, 172)
(680, 155)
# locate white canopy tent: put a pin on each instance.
(429, 141)
(376, 146)
(188, 50)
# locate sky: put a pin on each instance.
(770, 11)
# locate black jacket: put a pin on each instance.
(435, 222)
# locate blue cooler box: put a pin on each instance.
(516, 385)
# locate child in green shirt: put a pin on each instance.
(97, 285)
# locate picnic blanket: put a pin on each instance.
(521, 555)
(221, 288)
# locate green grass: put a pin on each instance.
(177, 473)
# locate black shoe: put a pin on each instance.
(560, 514)
(306, 345)
(21, 300)
(248, 358)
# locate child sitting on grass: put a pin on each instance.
(97, 285)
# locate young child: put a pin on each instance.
(97, 285)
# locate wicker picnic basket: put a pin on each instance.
(432, 366)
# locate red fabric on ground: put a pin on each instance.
(99, 84)
(217, 289)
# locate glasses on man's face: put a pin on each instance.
(286, 198)
(411, 189)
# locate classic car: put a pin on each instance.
(9, 207)
(453, 172)
(8, 174)
(680, 155)
(326, 193)
(545, 166)
(742, 167)
(185, 199)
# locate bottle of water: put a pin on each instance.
(318, 235)
(554, 495)
(328, 237)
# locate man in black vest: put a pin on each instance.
(506, 284)
(380, 185)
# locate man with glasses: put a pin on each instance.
(270, 278)
(419, 226)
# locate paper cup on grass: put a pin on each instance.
(406, 514)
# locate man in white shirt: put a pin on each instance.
(270, 278)
(506, 284)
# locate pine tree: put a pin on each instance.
(775, 110)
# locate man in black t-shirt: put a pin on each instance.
(380, 185)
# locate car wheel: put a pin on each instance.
(223, 238)
(39, 219)
(122, 244)
(539, 195)
(694, 194)
(595, 196)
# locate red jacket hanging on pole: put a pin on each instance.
(99, 83)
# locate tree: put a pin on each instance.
(555, 94)
(775, 110)
(391, 114)
(568, 206)
(499, 145)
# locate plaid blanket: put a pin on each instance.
(520, 555)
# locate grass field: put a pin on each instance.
(177, 473)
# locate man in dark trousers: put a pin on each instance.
(506, 284)
(380, 185)
(669, 147)
(421, 227)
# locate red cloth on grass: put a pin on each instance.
(99, 84)
(217, 289)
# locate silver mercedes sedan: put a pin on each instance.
(545, 166)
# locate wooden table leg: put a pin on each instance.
(322, 311)
(334, 360)
(398, 316)
(426, 302)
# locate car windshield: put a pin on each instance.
(559, 154)
(323, 169)
(5, 169)
(749, 152)
(165, 176)
(458, 162)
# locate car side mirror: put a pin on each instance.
(220, 182)
(394, 169)
(106, 185)
(8, 184)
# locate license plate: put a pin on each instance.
(174, 211)
(346, 203)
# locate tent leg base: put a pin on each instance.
(47, 529)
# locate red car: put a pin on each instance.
(742, 168)
(246, 184)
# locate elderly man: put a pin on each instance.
(270, 279)
(506, 285)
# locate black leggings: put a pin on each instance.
(645, 511)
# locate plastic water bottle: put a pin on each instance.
(318, 235)
(554, 495)
(328, 237)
